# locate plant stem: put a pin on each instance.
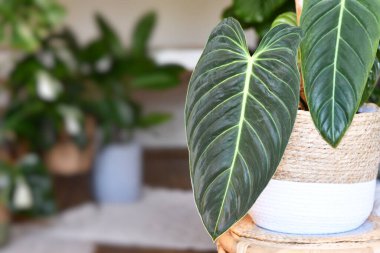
(299, 4)
(303, 101)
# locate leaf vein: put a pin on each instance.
(192, 106)
(273, 94)
(212, 142)
(194, 128)
(276, 60)
(362, 26)
(261, 143)
(268, 113)
(279, 79)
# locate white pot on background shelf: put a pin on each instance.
(118, 173)
(318, 189)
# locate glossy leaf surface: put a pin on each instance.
(373, 77)
(240, 111)
(338, 51)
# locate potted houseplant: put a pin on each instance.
(44, 88)
(23, 107)
(115, 73)
(241, 110)
(25, 191)
(34, 22)
(32, 189)
(49, 92)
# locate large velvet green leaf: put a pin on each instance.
(240, 111)
(338, 51)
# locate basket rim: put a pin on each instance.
(309, 158)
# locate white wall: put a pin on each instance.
(182, 24)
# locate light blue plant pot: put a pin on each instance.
(118, 173)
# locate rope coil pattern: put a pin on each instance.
(309, 159)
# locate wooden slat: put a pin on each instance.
(71, 191)
(167, 168)
(162, 168)
(118, 249)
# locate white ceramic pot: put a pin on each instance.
(118, 173)
(313, 208)
(318, 189)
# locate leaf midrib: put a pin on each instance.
(249, 71)
(337, 44)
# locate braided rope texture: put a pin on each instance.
(309, 158)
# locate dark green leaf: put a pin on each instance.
(249, 18)
(155, 81)
(23, 37)
(256, 10)
(115, 111)
(375, 96)
(229, 12)
(142, 33)
(94, 51)
(240, 112)
(54, 14)
(109, 37)
(153, 119)
(24, 72)
(163, 77)
(40, 183)
(173, 69)
(338, 51)
(70, 41)
(289, 18)
(139, 65)
(372, 78)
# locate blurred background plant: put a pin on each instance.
(115, 73)
(375, 98)
(34, 21)
(59, 92)
(22, 34)
(258, 14)
(32, 191)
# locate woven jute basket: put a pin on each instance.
(318, 189)
(309, 158)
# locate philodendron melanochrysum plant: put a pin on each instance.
(241, 108)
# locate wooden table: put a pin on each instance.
(115, 249)
(230, 242)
